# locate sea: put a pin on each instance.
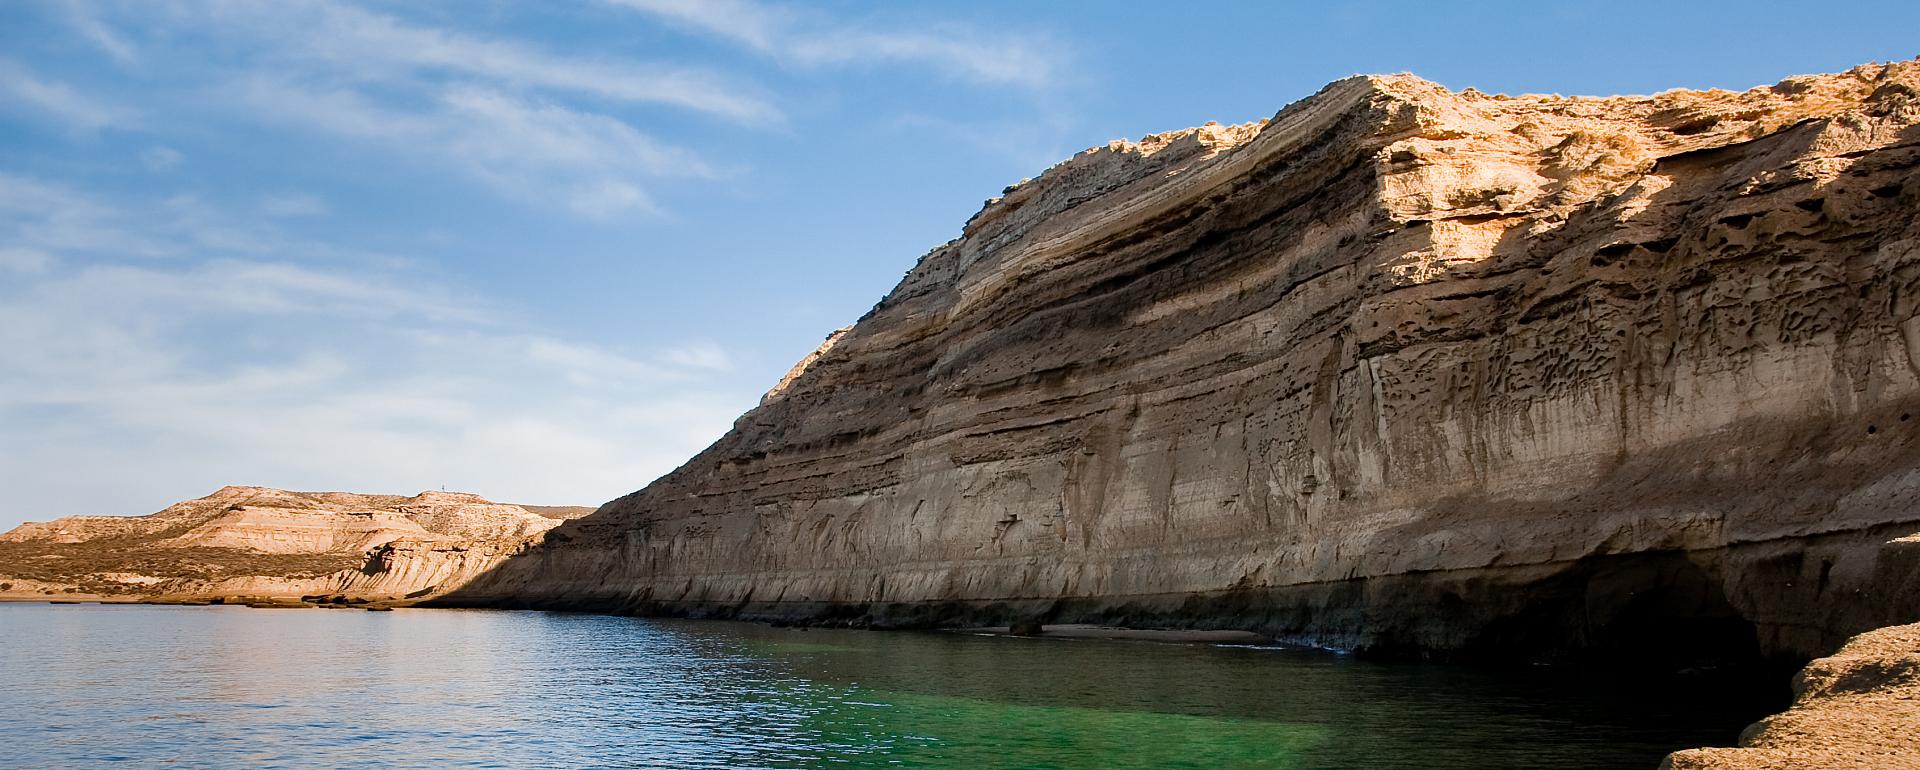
(95, 685)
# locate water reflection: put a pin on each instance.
(90, 684)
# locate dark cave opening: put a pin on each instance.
(1654, 611)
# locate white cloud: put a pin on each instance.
(80, 14)
(40, 98)
(1033, 142)
(126, 386)
(535, 151)
(55, 219)
(607, 199)
(75, 226)
(801, 36)
(158, 159)
(156, 348)
(294, 205)
(503, 111)
(340, 111)
(583, 364)
(355, 41)
(519, 132)
(532, 122)
(699, 356)
(152, 295)
(24, 260)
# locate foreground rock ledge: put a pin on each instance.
(1858, 709)
(1400, 368)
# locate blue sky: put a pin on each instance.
(546, 251)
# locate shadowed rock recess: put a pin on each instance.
(1397, 369)
(1855, 710)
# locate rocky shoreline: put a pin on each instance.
(1856, 709)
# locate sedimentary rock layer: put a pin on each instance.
(1399, 366)
(270, 543)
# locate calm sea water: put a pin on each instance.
(94, 685)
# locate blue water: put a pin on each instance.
(140, 686)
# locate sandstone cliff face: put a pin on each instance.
(1397, 367)
(259, 542)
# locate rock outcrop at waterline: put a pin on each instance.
(270, 543)
(1398, 367)
(1854, 710)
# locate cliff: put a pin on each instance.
(1399, 368)
(270, 543)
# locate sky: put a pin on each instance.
(546, 251)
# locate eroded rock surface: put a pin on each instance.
(1398, 367)
(270, 543)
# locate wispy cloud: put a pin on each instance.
(81, 15)
(807, 37)
(550, 134)
(158, 159)
(537, 151)
(54, 218)
(37, 97)
(357, 42)
(346, 382)
(293, 205)
(1034, 142)
(705, 355)
(141, 295)
(188, 373)
(72, 224)
(24, 260)
(194, 333)
(551, 127)
(608, 198)
(540, 127)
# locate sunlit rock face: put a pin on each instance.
(1398, 367)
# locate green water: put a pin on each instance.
(93, 685)
(912, 730)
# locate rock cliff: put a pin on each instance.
(269, 543)
(1398, 368)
